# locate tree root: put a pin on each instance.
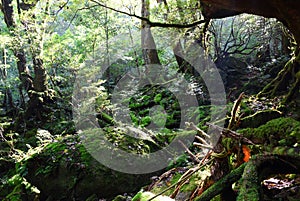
(294, 89)
(288, 76)
(280, 82)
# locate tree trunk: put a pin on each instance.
(219, 170)
(150, 54)
(40, 78)
(35, 87)
(260, 168)
(23, 70)
(7, 10)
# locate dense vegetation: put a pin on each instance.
(161, 100)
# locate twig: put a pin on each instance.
(195, 159)
(202, 145)
(201, 139)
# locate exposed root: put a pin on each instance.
(287, 77)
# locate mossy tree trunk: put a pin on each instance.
(222, 184)
(35, 84)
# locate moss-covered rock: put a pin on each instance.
(277, 132)
(64, 170)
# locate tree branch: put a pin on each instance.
(152, 24)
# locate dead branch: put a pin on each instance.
(231, 134)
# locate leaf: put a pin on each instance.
(246, 152)
(144, 196)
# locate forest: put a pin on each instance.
(121, 100)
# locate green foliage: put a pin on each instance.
(64, 34)
(20, 184)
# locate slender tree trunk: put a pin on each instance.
(285, 42)
(150, 54)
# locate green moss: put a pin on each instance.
(145, 121)
(66, 163)
(259, 118)
(192, 185)
(84, 154)
(55, 152)
(158, 98)
(249, 189)
(145, 196)
(146, 98)
(120, 198)
(280, 131)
